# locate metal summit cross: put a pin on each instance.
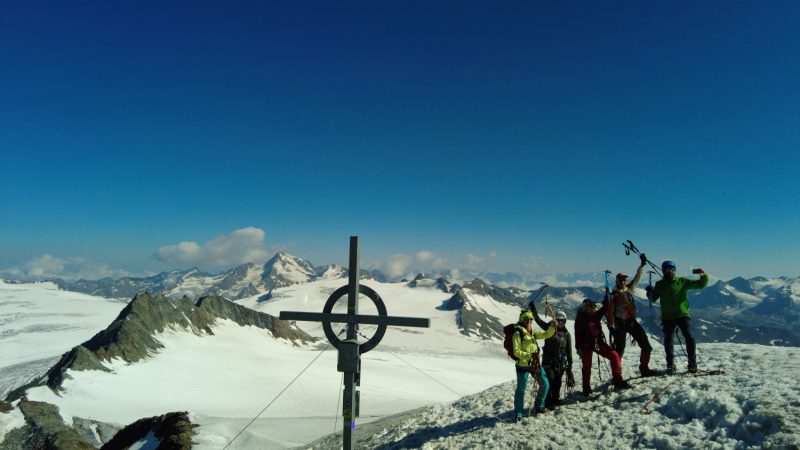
(350, 350)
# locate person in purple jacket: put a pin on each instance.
(589, 338)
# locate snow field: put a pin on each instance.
(227, 379)
(38, 321)
(755, 405)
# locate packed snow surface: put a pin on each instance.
(754, 405)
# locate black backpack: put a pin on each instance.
(508, 342)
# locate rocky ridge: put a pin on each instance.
(132, 336)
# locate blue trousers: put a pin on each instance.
(522, 383)
(685, 324)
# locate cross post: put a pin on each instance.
(350, 351)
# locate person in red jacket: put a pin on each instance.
(621, 319)
(589, 339)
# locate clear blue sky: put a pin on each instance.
(547, 132)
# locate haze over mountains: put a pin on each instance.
(759, 310)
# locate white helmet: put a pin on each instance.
(561, 316)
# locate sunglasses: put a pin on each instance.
(561, 320)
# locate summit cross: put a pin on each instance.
(350, 350)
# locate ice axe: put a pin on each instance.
(650, 291)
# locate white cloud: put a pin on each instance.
(424, 256)
(395, 265)
(71, 269)
(241, 246)
(44, 266)
(493, 254)
(433, 260)
(472, 259)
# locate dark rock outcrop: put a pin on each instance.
(223, 309)
(443, 284)
(779, 303)
(716, 296)
(172, 431)
(473, 320)
(44, 429)
(131, 336)
(95, 432)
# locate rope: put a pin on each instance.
(401, 359)
(644, 409)
(336, 413)
(420, 371)
(279, 394)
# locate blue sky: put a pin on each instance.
(520, 136)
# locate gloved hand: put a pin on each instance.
(613, 327)
(580, 351)
(643, 258)
(532, 307)
(649, 290)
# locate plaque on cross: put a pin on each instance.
(350, 350)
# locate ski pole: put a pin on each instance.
(650, 292)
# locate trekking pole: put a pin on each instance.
(650, 292)
(629, 247)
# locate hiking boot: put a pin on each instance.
(649, 372)
(519, 418)
(622, 385)
(693, 368)
(587, 392)
(671, 369)
(540, 410)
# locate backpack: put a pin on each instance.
(508, 342)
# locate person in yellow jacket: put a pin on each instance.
(526, 351)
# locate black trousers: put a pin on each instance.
(554, 377)
(636, 331)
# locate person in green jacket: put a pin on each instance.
(673, 293)
(526, 351)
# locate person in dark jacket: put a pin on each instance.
(589, 339)
(557, 359)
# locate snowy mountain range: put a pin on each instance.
(162, 368)
(758, 310)
(244, 281)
